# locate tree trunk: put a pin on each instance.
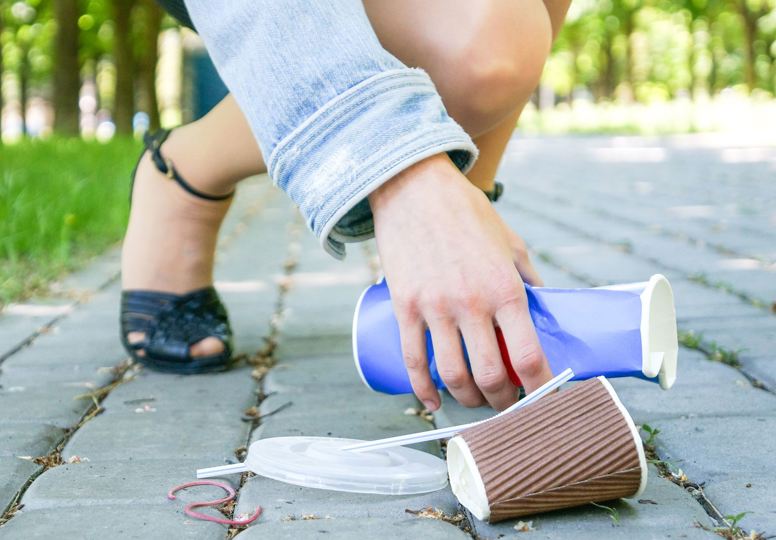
(691, 57)
(67, 79)
(629, 55)
(124, 106)
(749, 21)
(24, 82)
(148, 61)
(609, 75)
(2, 70)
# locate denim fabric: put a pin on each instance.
(334, 113)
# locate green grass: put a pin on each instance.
(62, 201)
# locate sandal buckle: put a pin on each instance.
(170, 172)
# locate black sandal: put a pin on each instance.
(172, 323)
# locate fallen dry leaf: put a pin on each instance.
(435, 513)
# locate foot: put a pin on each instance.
(170, 241)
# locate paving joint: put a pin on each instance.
(263, 360)
(767, 306)
(47, 326)
(723, 527)
(124, 372)
(688, 238)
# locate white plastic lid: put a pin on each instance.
(320, 462)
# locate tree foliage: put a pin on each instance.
(642, 50)
(659, 49)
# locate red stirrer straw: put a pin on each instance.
(502, 346)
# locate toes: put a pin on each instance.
(207, 347)
(134, 338)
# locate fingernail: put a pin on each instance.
(430, 405)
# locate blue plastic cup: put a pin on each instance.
(617, 331)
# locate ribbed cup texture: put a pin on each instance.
(568, 449)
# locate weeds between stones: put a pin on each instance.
(690, 339)
(729, 528)
(711, 349)
(652, 432)
(614, 514)
(264, 359)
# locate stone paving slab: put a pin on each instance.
(762, 369)
(129, 435)
(305, 347)
(173, 394)
(282, 501)
(695, 302)
(409, 528)
(19, 322)
(143, 482)
(703, 389)
(28, 439)
(43, 404)
(14, 473)
(134, 522)
(753, 496)
(720, 448)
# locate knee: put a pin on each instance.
(489, 74)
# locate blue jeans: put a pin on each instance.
(335, 114)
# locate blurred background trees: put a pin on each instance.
(659, 49)
(91, 66)
(79, 66)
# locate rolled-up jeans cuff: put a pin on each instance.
(356, 142)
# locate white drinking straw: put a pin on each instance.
(444, 433)
(222, 470)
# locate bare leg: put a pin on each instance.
(492, 145)
(485, 66)
(485, 58)
(170, 241)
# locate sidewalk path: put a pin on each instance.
(89, 445)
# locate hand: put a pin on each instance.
(520, 256)
(448, 260)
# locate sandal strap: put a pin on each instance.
(172, 323)
(153, 143)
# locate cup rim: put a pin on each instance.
(634, 432)
(354, 336)
(660, 364)
(476, 498)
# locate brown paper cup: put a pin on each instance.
(571, 448)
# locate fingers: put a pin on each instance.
(490, 375)
(413, 346)
(527, 271)
(523, 344)
(450, 363)
(523, 261)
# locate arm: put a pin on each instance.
(342, 120)
(334, 113)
